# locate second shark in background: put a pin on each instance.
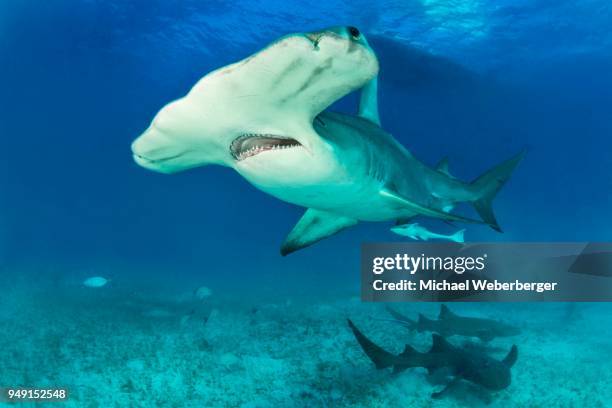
(450, 324)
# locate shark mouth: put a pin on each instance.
(252, 144)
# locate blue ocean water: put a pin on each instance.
(473, 80)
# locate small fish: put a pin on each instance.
(202, 292)
(417, 232)
(95, 282)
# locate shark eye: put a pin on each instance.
(354, 32)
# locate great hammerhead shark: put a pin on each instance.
(477, 368)
(265, 117)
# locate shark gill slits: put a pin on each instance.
(314, 38)
(251, 144)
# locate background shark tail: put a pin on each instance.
(458, 236)
(488, 185)
(380, 357)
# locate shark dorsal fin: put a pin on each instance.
(439, 344)
(404, 360)
(408, 351)
(442, 166)
(423, 320)
(510, 359)
(402, 202)
(445, 313)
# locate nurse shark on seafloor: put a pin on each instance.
(264, 117)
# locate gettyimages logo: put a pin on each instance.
(414, 264)
(511, 272)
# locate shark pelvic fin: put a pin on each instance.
(312, 227)
(442, 167)
(417, 208)
(368, 102)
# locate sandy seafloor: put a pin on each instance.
(135, 348)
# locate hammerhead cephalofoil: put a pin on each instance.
(468, 365)
(266, 118)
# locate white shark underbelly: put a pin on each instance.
(358, 201)
(325, 184)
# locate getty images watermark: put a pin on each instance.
(487, 272)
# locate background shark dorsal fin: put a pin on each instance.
(402, 202)
(368, 102)
(445, 313)
(312, 227)
(510, 359)
(408, 351)
(423, 323)
(439, 344)
(403, 361)
(442, 166)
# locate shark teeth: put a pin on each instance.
(251, 144)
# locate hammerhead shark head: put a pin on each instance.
(477, 368)
(450, 324)
(265, 117)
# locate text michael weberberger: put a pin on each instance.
(458, 265)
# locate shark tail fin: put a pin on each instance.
(380, 357)
(458, 236)
(488, 185)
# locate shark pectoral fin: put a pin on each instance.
(510, 359)
(368, 102)
(402, 202)
(312, 227)
(442, 167)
